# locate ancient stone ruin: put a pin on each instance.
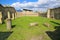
(47, 25)
(54, 13)
(27, 12)
(4, 13)
(7, 13)
(8, 22)
(33, 24)
(12, 12)
(1, 14)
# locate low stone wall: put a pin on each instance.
(43, 14)
(19, 14)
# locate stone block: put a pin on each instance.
(33, 24)
(46, 24)
(9, 24)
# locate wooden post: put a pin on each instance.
(8, 22)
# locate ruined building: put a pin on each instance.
(1, 14)
(27, 12)
(11, 10)
(4, 13)
(54, 13)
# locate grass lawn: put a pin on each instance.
(22, 31)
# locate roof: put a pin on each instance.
(11, 9)
(27, 10)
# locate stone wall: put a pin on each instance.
(54, 13)
(27, 13)
(43, 14)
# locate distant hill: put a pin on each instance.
(19, 10)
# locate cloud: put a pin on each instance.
(38, 5)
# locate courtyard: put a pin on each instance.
(22, 31)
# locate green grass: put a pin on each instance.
(22, 30)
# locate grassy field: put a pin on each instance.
(22, 31)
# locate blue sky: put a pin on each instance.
(13, 1)
(37, 5)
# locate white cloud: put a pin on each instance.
(42, 1)
(40, 4)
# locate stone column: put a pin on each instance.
(13, 16)
(53, 14)
(8, 22)
(0, 17)
(48, 13)
(9, 15)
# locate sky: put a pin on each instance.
(37, 5)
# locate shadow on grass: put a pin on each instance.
(55, 22)
(5, 35)
(54, 35)
(13, 26)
